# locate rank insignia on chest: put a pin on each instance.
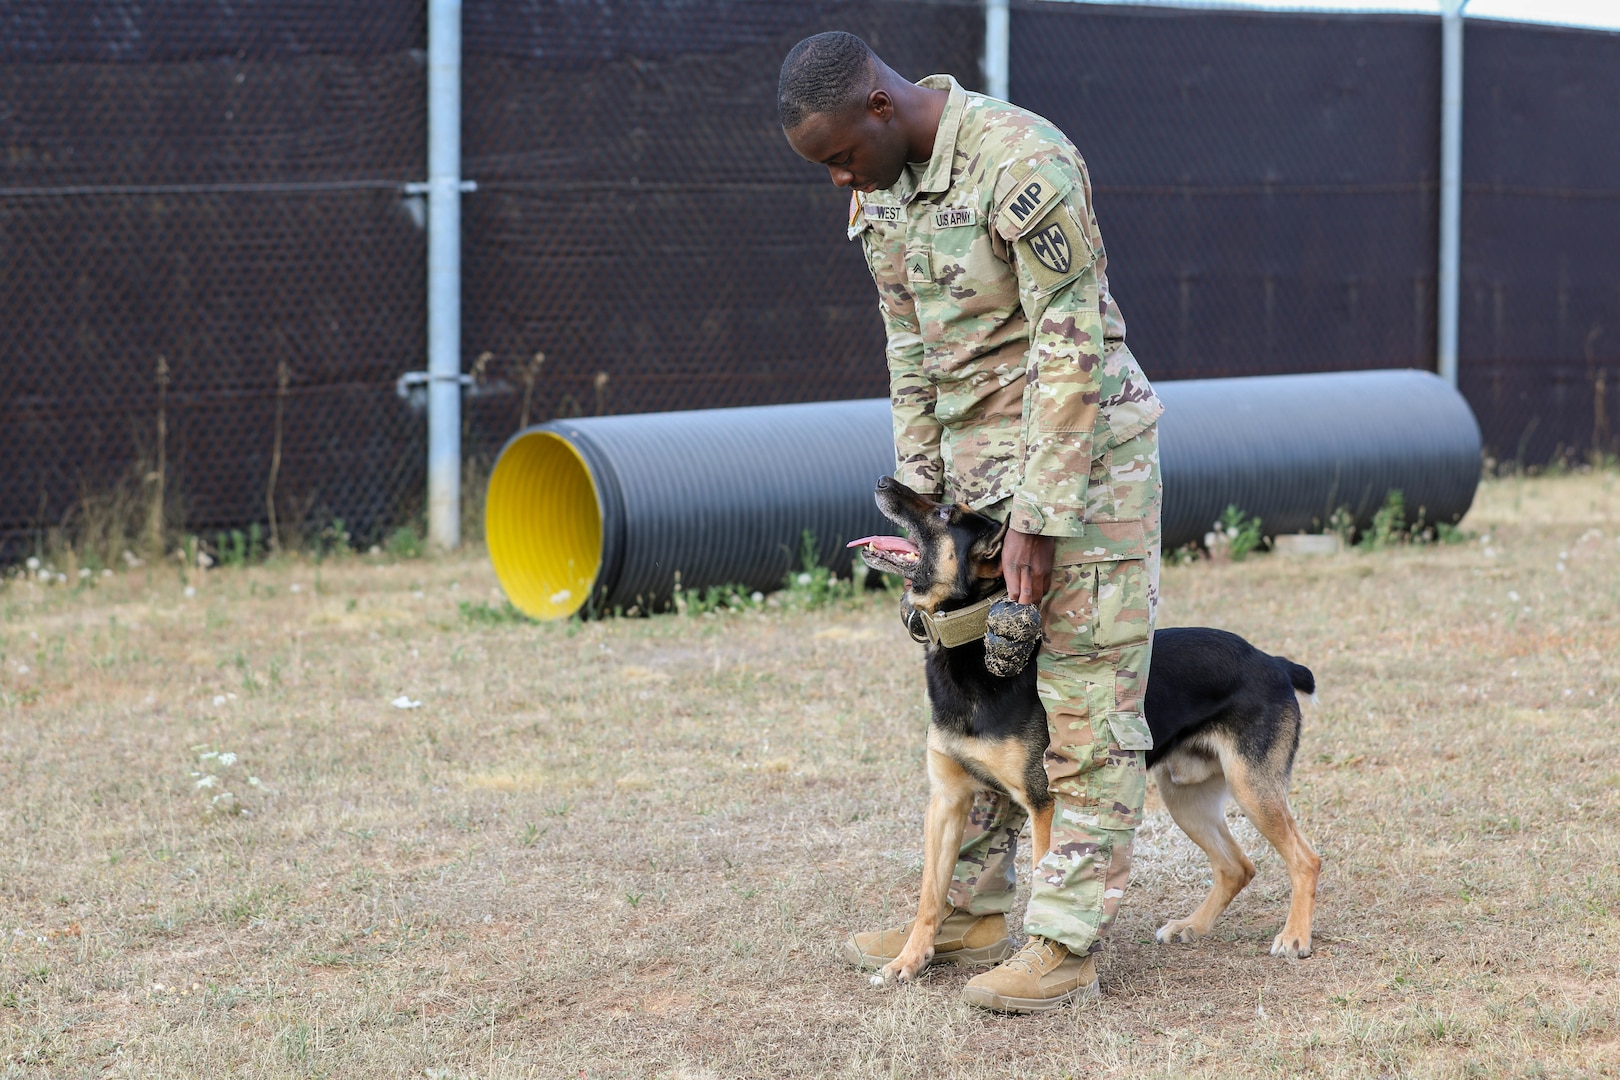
(1051, 247)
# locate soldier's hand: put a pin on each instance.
(1026, 563)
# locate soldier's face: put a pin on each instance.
(862, 148)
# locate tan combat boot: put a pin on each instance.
(1044, 975)
(963, 938)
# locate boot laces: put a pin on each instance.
(1037, 956)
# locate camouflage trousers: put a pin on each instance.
(1092, 671)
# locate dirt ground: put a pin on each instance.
(348, 820)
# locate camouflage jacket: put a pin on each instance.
(1009, 375)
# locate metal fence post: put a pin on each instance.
(1451, 67)
(444, 272)
(997, 45)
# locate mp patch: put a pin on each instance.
(1028, 202)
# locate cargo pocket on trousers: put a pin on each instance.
(1119, 775)
(1130, 731)
(1123, 617)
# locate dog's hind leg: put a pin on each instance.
(1200, 809)
(950, 797)
(1262, 791)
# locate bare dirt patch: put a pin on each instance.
(632, 848)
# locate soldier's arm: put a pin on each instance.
(1044, 217)
(911, 396)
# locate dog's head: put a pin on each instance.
(953, 557)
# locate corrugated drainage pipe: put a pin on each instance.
(1291, 449)
(607, 510)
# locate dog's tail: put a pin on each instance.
(1300, 676)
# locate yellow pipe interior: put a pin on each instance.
(543, 525)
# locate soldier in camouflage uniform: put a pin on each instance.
(1013, 392)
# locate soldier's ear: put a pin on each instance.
(987, 552)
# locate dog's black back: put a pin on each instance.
(1200, 676)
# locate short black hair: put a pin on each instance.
(824, 73)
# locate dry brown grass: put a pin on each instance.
(631, 848)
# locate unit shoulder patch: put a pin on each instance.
(1055, 250)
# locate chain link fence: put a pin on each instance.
(211, 277)
(213, 272)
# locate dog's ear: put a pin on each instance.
(986, 552)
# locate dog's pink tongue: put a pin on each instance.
(897, 544)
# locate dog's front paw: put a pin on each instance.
(903, 968)
(1291, 943)
(1182, 930)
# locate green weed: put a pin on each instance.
(480, 613)
(1236, 533)
(813, 585)
(405, 543)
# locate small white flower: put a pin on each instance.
(132, 560)
(61, 579)
(219, 699)
(231, 696)
(227, 759)
(32, 563)
(208, 781)
(295, 587)
(404, 702)
(22, 669)
(84, 572)
(191, 590)
(43, 575)
(106, 573)
(757, 597)
(804, 579)
(1513, 596)
(254, 781)
(562, 596)
(419, 594)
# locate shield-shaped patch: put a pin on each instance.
(1052, 248)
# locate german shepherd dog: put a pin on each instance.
(1224, 717)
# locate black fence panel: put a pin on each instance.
(201, 214)
(1265, 182)
(1540, 296)
(642, 222)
